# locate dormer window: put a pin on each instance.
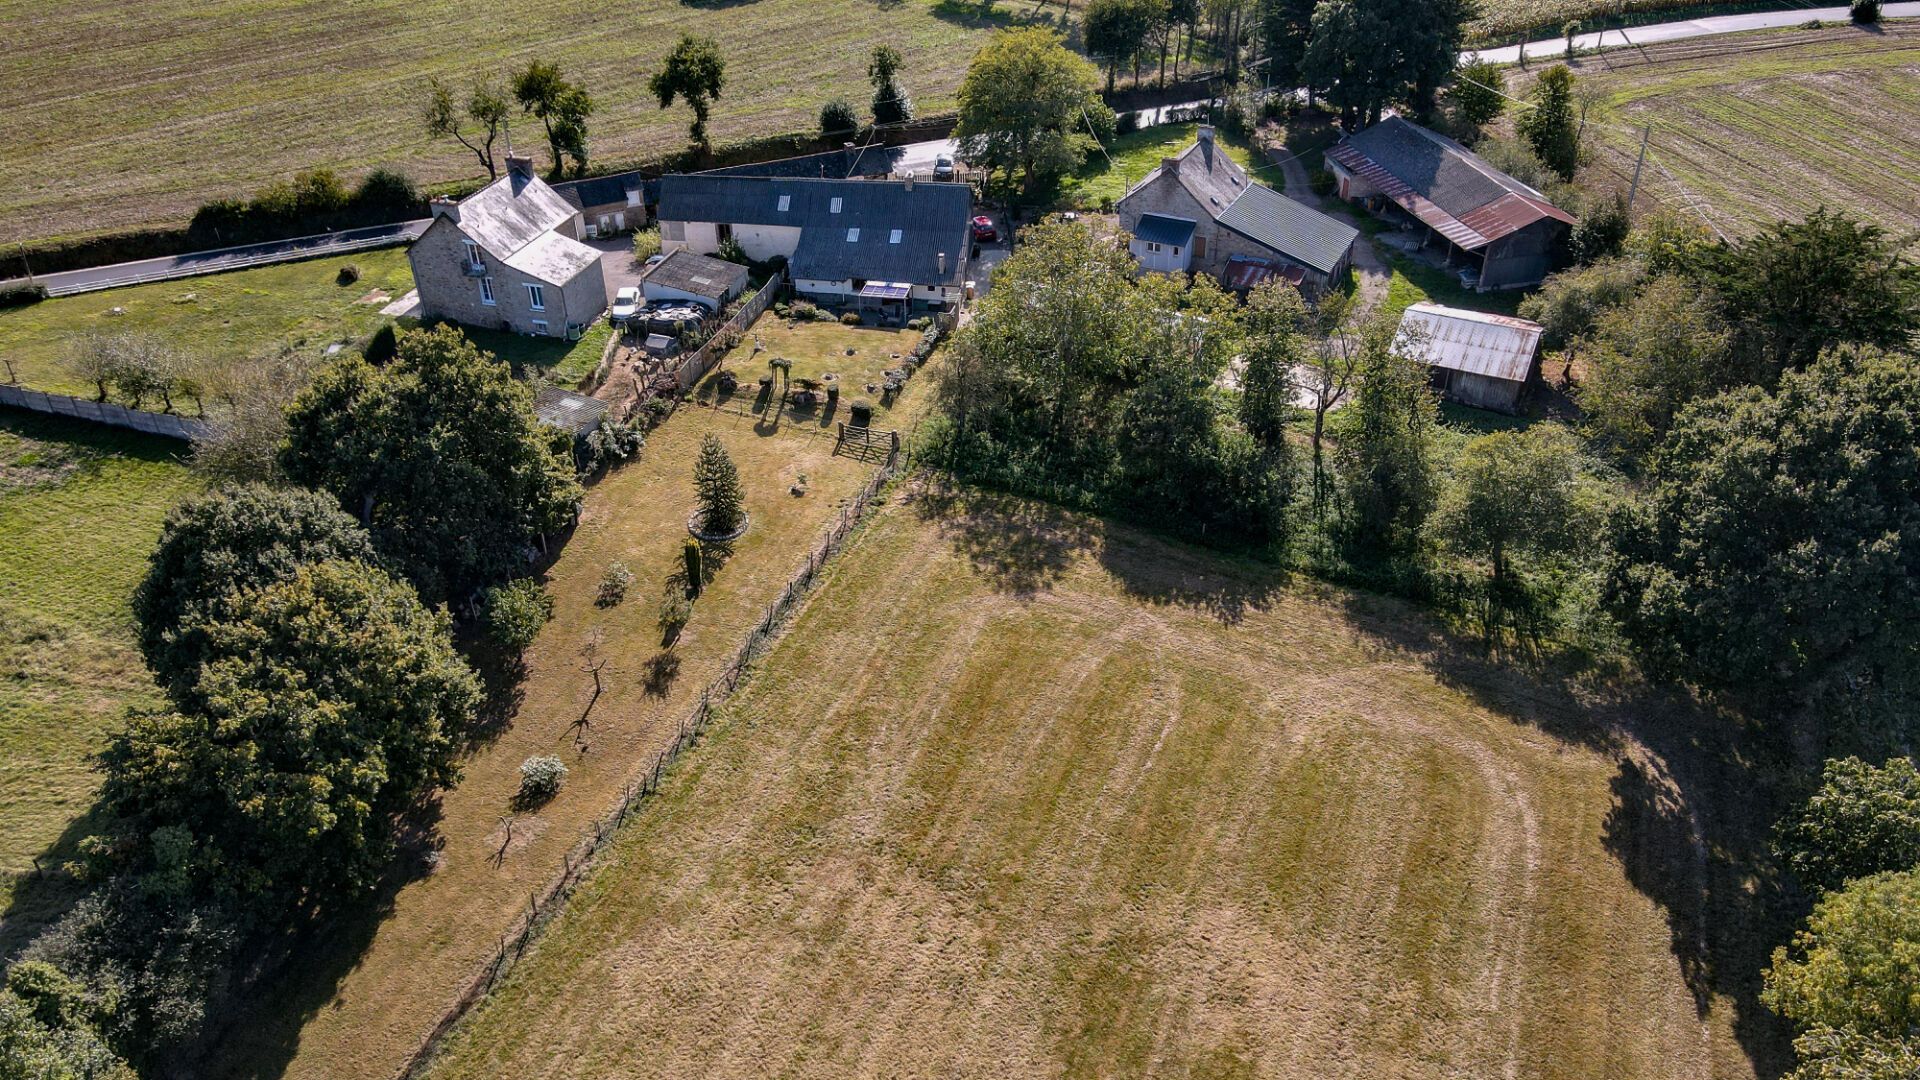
(834, 206)
(893, 237)
(786, 201)
(853, 236)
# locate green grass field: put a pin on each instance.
(1023, 794)
(127, 115)
(1129, 158)
(80, 507)
(1792, 121)
(816, 349)
(237, 314)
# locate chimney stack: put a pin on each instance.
(520, 165)
(909, 181)
(1206, 133)
(441, 206)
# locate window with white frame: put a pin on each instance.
(486, 291)
(1153, 247)
(473, 252)
(536, 296)
(833, 207)
(786, 201)
(540, 327)
(893, 237)
(853, 235)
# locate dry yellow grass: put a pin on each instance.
(358, 997)
(1023, 794)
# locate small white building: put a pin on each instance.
(1476, 359)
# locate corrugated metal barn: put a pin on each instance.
(1475, 358)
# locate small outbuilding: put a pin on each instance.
(576, 414)
(685, 275)
(1474, 358)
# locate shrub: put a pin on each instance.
(646, 244)
(690, 556)
(1126, 123)
(821, 314)
(731, 251)
(920, 323)
(21, 293)
(611, 442)
(388, 189)
(1322, 182)
(1601, 232)
(348, 274)
(614, 584)
(1865, 12)
(727, 338)
(540, 778)
(675, 612)
(838, 117)
(516, 611)
(802, 310)
(851, 318)
(381, 345)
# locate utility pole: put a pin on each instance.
(1634, 191)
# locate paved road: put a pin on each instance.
(69, 282)
(1688, 28)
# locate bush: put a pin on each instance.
(516, 611)
(731, 251)
(1865, 12)
(802, 310)
(1601, 232)
(837, 117)
(614, 584)
(540, 779)
(920, 323)
(675, 612)
(1322, 182)
(728, 338)
(821, 314)
(1126, 123)
(646, 244)
(388, 189)
(348, 274)
(21, 293)
(851, 318)
(611, 442)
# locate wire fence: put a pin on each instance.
(544, 904)
(103, 412)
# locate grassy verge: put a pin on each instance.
(221, 316)
(1025, 794)
(80, 507)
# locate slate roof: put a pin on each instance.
(881, 230)
(700, 275)
(1495, 346)
(600, 190)
(513, 220)
(1258, 213)
(1160, 229)
(1446, 186)
(568, 411)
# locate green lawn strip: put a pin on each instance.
(567, 362)
(1129, 158)
(82, 507)
(240, 313)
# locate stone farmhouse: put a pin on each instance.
(882, 245)
(509, 257)
(1503, 230)
(1200, 213)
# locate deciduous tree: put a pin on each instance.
(891, 105)
(1863, 820)
(1030, 107)
(696, 73)
(1855, 966)
(485, 105)
(1277, 344)
(1549, 126)
(1386, 466)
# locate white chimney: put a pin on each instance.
(909, 181)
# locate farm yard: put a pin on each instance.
(116, 111)
(1788, 122)
(80, 507)
(364, 994)
(235, 315)
(1027, 794)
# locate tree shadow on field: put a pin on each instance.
(1695, 794)
(1021, 546)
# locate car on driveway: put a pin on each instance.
(983, 230)
(626, 304)
(943, 167)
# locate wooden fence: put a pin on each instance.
(103, 412)
(544, 905)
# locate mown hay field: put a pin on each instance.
(1023, 794)
(1768, 126)
(126, 115)
(80, 508)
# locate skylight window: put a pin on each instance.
(893, 237)
(834, 206)
(785, 202)
(853, 235)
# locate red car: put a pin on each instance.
(983, 230)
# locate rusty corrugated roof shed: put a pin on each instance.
(1496, 346)
(1448, 187)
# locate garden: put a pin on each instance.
(807, 365)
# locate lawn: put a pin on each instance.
(1129, 158)
(567, 362)
(239, 313)
(1023, 794)
(1794, 120)
(360, 997)
(80, 507)
(130, 115)
(817, 349)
